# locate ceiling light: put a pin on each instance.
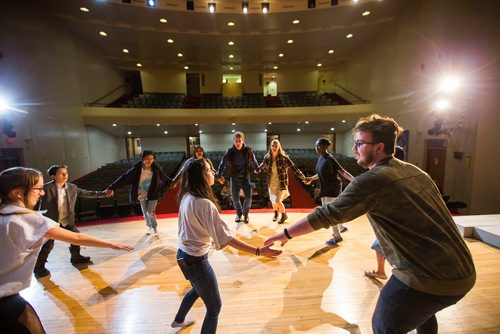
(139, 65)
(269, 123)
(170, 41)
(179, 54)
(230, 43)
(332, 129)
(157, 124)
(319, 65)
(290, 41)
(366, 13)
(165, 132)
(84, 9)
(442, 104)
(296, 21)
(232, 130)
(162, 20)
(307, 122)
(275, 67)
(195, 124)
(265, 7)
(129, 132)
(231, 24)
(186, 67)
(231, 68)
(125, 50)
(343, 121)
(265, 130)
(449, 84)
(298, 129)
(231, 56)
(331, 51)
(349, 36)
(114, 124)
(151, 3)
(244, 7)
(200, 131)
(102, 33)
(211, 7)
(233, 123)
(355, 1)
(280, 55)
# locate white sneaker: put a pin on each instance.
(148, 230)
(155, 231)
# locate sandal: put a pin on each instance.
(374, 274)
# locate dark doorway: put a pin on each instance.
(436, 161)
(193, 84)
(11, 157)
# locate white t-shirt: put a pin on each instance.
(62, 204)
(144, 184)
(21, 238)
(200, 224)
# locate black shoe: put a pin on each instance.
(246, 220)
(344, 229)
(237, 219)
(283, 219)
(276, 214)
(80, 259)
(41, 272)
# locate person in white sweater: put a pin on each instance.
(23, 231)
(200, 226)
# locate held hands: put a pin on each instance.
(307, 181)
(267, 251)
(277, 237)
(121, 247)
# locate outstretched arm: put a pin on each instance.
(264, 251)
(299, 228)
(346, 174)
(82, 239)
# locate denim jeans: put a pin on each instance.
(18, 316)
(236, 185)
(149, 212)
(400, 309)
(200, 274)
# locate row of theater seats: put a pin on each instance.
(250, 100)
(119, 205)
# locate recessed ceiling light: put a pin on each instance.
(157, 124)
(162, 20)
(102, 33)
(296, 21)
(84, 9)
(170, 41)
(265, 130)
(179, 54)
(319, 65)
(298, 129)
(186, 67)
(275, 67)
(231, 68)
(139, 65)
(332, 129)
(233, 123)
(231, 56)
(195, 124)
(343, 121)
(165, 132)
(200, 131)
(307, 122)
(280, 55)
(290, 41)
(331, 51)
(349, 36)
(232, 130)
(125, 50)
(366, 13)
(114, 124)
(269, 123)
(230, 43)
(355, 1)
(231, 24)
(129, 132)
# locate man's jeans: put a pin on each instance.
(236, 185)
(200, 274)
(149, 212)
(401, 309)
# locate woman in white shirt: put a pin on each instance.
(200, 225)
(23, 231)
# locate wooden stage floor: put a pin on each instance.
(310, 288)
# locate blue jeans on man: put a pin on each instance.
(400, 309)
(200, 274)
(236, 185)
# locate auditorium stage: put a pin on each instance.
(310, 288)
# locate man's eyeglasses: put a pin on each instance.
(359, 143)
(37, 188)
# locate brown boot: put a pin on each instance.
(283, 219)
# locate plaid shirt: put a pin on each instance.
(283, 162)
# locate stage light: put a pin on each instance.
(151, 3)
(442, 104)
(449, 84)
(265, 7)
(244, 7)
(211, 7)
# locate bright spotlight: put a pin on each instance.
(3, 104)
(151, 3)
(449, 84)
(443, 104)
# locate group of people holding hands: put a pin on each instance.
(432, 266)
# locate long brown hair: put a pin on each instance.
(281, 151)
(195, 182)
(18, 177)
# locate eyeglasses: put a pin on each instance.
(359, 143)
(37, 188)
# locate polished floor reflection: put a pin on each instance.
(311, 288)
